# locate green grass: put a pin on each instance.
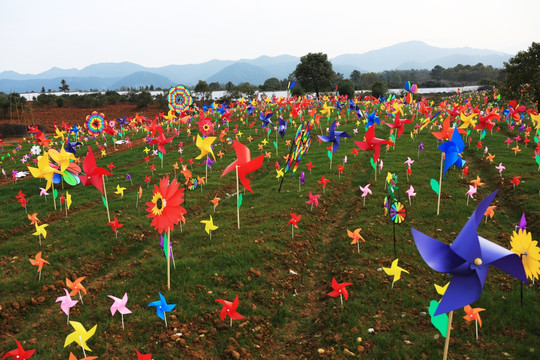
(285, 315)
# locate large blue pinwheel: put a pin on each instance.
(162, 307)
(452, 150)
(333, 137)
(372, 119)
(468, 259)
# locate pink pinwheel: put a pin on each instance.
(365, 191)
(508, 141)
(409, 161)
(501, 168)
(295, 219)
(339, 290)
(120, 306)
(470, 193)
(313, 199)
(229, 309)
(410, 193)
(67, 303)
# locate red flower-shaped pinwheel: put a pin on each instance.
(164, 209)
(339, 290)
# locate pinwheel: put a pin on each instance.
(94, 176)
(323, 182)
(76, 287)
(410, 193)
(66, 303)
(120, 190)
(398, 124)
(162, 308)
(229, 309)
(120, 306)
(215, 201)
(339, 289)
(115, 225)
(209, 226)
(179, 97)
(265, 118)
(73, 357)
(365, 191)
(371, 143)
(333, 138)
(515, 181)
(40, 230)
(310, 166)
(409, 162)
(161, 141)
(205, 146)
(244, 164)
(522, 244)
(468, 259)
(33, 218)
(80, 336)
(501, 168)
(295, 219)
(470, 193)
(282, 127)
(95, 123)
(39, 262)
(473, 314)
(44, 171)
(447, 132)
(394, 271)
(313, 199)
(372, 119)
(398, 212)
(452, 150)
(19, 353)
(355, 236)
(143, 356)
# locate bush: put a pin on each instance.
(379, 89)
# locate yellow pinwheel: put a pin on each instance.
(40, 230)
(395, 271)
(205, 145)
(209, 226)
(68, 200)
(120, 190)
(80, 335)
(44, 171)
(467, 120)
(62, 158)
(523, 245)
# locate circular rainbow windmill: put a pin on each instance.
(179, 98)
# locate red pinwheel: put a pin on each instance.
(447, 131)
(515, 181)
(115, 225)
(19, 353)
(295, 219)
(143, 356)
(323, 182)
(245, 164)
(93, 173)
(399, 124)
(161, 141)
(310, 166)
(372, 143)
(339, 290)
(164, 209)
(21, 198)
(229, 309)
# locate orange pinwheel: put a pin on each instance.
(39, 262)
(72, 357)
(447, 131)
(215, 201)
(476, 183)
(355, 236)
(33, 219)
(489, 211)
(473, 314)
(76, 286)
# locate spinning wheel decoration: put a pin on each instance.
(398, 212)
(179, 98)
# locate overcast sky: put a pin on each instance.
(36, 35)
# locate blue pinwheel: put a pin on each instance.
(333, 137)
(265, 118)
(282, 126)
(71, 147)
(372, 119)
(452, 150)
(468, 259)
(250, 109)
(162, 307)
(75, 130)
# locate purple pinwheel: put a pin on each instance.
(468, 259)
(265, 118)
(282, 126)
(452, 150)
(250, 109)
(208, 162)
(302, 178)
(333, 137)
(522, 223)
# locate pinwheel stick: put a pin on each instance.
(82, 346)
(168, 262)
(331, 155)
(447, 341)
(440, 185)
(106, 201)
(238, 198)
(122, 321)
(54, 198)
(476, 325)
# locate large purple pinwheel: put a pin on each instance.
(452, 150)
(333, 137)
(468, 259)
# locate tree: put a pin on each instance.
(437, 72)
(271, 84)
(346, 87)
(64, 86)
(315, 73)
(355, 77)
(367, 80)
(523, 70)
(204, 90)
(379, 89)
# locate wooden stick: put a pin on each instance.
(447, 341)
(440, 185)
(106, 201)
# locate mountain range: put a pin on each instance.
(113, 76)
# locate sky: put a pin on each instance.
(36, 35)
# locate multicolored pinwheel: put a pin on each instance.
(179, 98)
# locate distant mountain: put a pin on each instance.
(104, 76)
(241, 72)
(142, 79)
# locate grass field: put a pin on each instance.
(281, 281)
